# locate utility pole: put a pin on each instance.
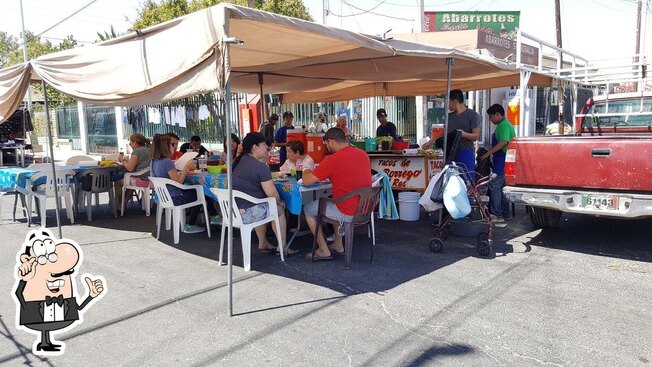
(637, 58)
(560, 87)
(324, 12)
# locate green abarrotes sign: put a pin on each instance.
(500, 23)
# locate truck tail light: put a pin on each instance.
(510, 166)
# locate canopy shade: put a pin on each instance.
(304, 61)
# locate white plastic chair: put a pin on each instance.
(100, 182)
(74, 161)
(40, 166)
(245, 229)
(42, 192)
(178, 212)
(144, 191)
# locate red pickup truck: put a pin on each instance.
(603, 170)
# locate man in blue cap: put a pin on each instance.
(280, 139)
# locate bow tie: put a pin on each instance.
(58, 300)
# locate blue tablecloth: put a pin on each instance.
(208, 181)
(12, 178)
(289, 190)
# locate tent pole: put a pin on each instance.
(449, 64)
(262, 99)
(229, 179)
(54, 171)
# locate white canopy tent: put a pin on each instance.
(302, 60)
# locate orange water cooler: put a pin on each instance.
(437, 131)
(298, 135)
(316, 147)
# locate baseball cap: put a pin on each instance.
(273, 117)
(287, 114)
(381, 110)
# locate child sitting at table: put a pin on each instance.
(297, 159)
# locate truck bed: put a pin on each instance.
(613, 163)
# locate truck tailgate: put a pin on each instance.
(607, 162)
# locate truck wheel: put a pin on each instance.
(544, 217)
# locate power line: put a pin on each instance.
(374, 13)
(354, 15)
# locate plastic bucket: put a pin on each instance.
(370, 144)
(400, 145)
(437, 131)
(408, 206)
(358, 144)
(316, 147)
(298, 135)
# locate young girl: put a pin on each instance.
(297, 160)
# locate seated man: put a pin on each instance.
(194, 146)
(348, 169)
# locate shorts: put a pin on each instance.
(255, 213)
(332, 211)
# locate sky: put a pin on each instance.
(595, 29)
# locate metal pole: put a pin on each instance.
(560, 63)
(229, 179)
(29, 88)
(449, 64)
(637, 59)
(54, 171)
(262, 99)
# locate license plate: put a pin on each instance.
(602, 202)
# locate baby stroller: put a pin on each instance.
(474, 191)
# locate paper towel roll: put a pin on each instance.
(411, 151)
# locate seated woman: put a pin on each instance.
(162, 166)
(235, 143)
(140, 158)
(254, 178)
(297, 159)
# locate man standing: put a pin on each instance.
(280, 139)
(464, 119)
(268, 128)
(501, 137)
(386, 128)
(348, 169)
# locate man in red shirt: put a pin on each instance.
(348, 169)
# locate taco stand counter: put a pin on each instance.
(406, 171)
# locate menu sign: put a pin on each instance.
(403, 172)
(503, 48)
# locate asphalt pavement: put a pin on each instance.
(578, 295)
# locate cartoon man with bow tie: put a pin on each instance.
(46, 302)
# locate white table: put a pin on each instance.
(19, 157)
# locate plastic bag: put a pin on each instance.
(456, 199)
(428, 200)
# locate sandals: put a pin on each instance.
(317, 257)
(266, 250)
(338, 253)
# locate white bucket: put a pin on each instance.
(408, 206)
